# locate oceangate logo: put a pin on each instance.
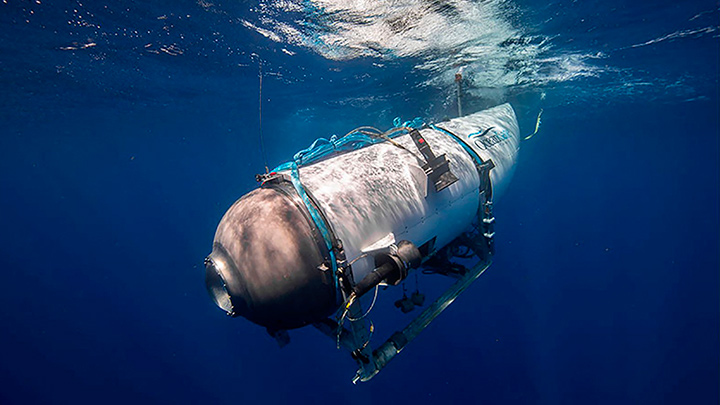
(489, 137)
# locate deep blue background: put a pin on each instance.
(116, 165)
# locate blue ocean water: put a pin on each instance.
(128, 128)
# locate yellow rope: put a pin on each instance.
(537, 125)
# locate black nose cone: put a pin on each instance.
(265, 263)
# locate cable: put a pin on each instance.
(370, 335)
(364, 128)
(262, 142)
(357, 258)
(345, 315)
(458, 81)
(369, 309)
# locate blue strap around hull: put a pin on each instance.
(478, 160)
(317, 218)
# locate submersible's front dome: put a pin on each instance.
(266, 262)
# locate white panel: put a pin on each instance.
(501, 143)
(372, 192)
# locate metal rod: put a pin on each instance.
(394, 345)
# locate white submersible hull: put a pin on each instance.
(317, 234)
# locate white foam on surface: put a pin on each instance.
(440, 36)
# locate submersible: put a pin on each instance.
(348, 214)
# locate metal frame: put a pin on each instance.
(356, 339)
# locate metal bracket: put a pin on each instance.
(437, 168)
